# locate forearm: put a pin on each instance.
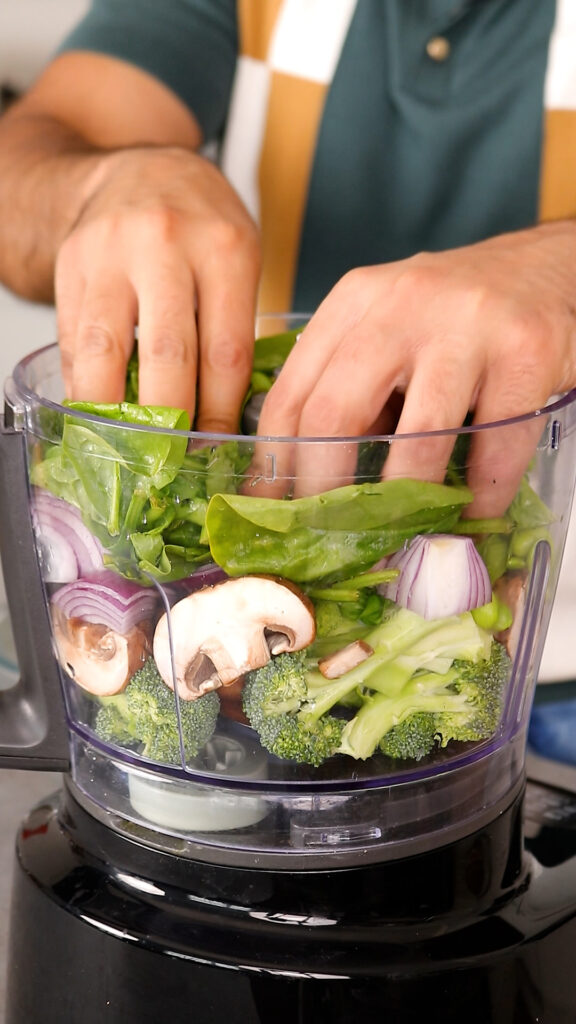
(47, 172)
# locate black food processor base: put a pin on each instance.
(107, 931)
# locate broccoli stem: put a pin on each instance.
(380, 713)
(390, 679)
(349, 590)
(399, 651)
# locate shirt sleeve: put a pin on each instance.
(190, 45)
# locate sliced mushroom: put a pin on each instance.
(221, 632)
(96, 657)
(337, 664)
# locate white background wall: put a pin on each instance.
(29, 32)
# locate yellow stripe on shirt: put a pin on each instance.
(558, 170)
(558, 174)
(289, 52)
(294, 112)
(256, 21)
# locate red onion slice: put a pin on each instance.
(205, 576)
(440, 575)
(67, 549)
(104, 598)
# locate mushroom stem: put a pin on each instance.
(201, 675)
(337, 664)
(279, 640)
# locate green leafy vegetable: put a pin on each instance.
(272, 351)
(139, 491)
(328, 536)
(528, 521)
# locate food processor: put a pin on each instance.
(207, 867)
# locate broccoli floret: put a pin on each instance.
(431, 692)
(413, 739)
(463, 704)
(425, 683)
(114, 723)
(272, 698)
(144, 717)
(483, 685)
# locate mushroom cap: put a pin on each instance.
(100, 660)
(221, 632)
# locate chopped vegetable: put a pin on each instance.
(144, 718)
(363, 617)
(439, 575)
(328, 536)
(464, 703)
(95, 656)
(481, 684)
(348, 657)
(107, 599)
(416, 666)
(221, 632)
(511, 591)
(271, 700)
(140, 494)
(103, 629)
(67, 548)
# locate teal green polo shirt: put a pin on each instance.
(422, 144)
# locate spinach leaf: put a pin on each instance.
(271, 352)
(329, 536)
(139, 491)
(152, 453)
(508, 542)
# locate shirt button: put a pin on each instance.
(438, 48)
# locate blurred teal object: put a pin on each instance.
(552, 729)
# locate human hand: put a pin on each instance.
(489, 328)
(164, 243)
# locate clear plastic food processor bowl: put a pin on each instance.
(208, 558)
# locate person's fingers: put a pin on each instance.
(500, 455)
(103, 340)
(331, 325)
(334, 385)
(272, 468)
(387, 420)
(344, 403)
(282, 409)
(181, 242)
(439, 395)
(69, 294)
(273, 464)
(324, 465)
(227, 282)
(167, 339)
